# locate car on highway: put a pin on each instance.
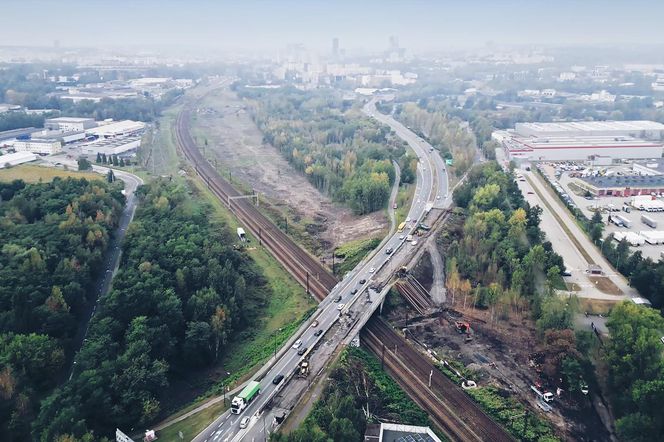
(389, 250)
(408, 219)
(302, 351)
(277, 379)
(530, 192)
(372, 269)
(297, 344)
(438, 197)
(314, 324)
(244, 423)
(362, 281)
(352, 292)
(566, 273)
(340, 306)
(394, 206)
(337, 299)
(318, 332)
(414, 242)
(401, 237)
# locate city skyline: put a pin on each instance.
(265, 26)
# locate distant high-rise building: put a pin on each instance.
(394, 43)
(335, 47)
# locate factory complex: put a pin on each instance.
(92, 137)
(605, 141)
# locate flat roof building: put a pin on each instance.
(625, 186)
(38, 146)
(642, 129)
(583, 140)
(14, 159)
(386, 432)
(69, 124)
(117, 128)
(112, 146)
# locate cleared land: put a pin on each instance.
(31, 173)
(233, 138)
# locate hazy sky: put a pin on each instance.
(253, 24)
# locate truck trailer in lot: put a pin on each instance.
(633, 239)
(653, 236)
(245, 397)
(648, 221)
(625, 222)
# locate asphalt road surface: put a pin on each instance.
(431, 191)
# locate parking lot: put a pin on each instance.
(613, 205)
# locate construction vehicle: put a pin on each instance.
(303, 368)
(462, 327)
(547, 395)
(245, 397)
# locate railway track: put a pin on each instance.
(408, 366)
(448, 405)
(304, 268)
(415, 294)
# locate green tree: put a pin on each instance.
(84, 164)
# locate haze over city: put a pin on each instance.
(269, 25)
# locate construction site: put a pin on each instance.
(482, 351)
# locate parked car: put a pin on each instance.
(388, 251)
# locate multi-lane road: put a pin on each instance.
(350, 293)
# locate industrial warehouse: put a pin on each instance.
(604, 140)
(622, 185)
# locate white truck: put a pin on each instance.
(648, 221)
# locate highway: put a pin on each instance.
(431, 191)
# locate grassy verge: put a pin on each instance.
(31, 173)
(353, 252)
(560, 221)
(404, 200)
(504, 409)
(192, 425)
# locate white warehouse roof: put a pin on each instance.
(117, 128)
(14, 159)
(587, 127)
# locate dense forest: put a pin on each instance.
(498, 261)
(181, 292)
(359, 392)
(52, 240)
(636, 371)
(343, 154)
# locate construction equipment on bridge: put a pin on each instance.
(303, 368)
(403, 271)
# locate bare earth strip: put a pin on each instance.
(234, 138)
